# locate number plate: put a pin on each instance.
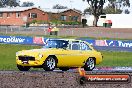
(25, 62)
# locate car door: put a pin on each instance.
(86, 51)
(71, 56)
(77, 55)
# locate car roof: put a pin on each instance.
(72, 40)
(67, 39)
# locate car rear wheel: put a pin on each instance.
(23, 68)
(64, 68)
(49, 64)
(90, 64)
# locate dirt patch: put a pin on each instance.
(13, 79)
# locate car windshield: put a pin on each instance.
(56, 44)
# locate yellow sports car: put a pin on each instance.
(62, 54)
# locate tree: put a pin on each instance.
(119, 2)
(110, 10)
(58, 6)
(88, 10)
(127, 11)
(27, 4)
(1, 4)
(11, 3)
(118, 6)
(96, 7)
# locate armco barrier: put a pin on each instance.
(42, 41)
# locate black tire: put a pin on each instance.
(90, 64)
(50, 64)
(23, 68)
(64, 68)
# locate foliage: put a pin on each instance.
(34, 21)
(114, 7)
(38, 22)
(56, 22)
(11, 3)
(118, 6)
(71, 23)
(42, 22)
(27, 4)
(110, 10)
(124, 2)
(65, 22)
(96, 7)
(58, 6)
(127, 11)
(88, 10)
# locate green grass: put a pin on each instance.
(7, 57)
(68, 37)
(105, 38)
(116, 58)
(47, 36)
(8, 53)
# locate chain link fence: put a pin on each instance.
(76, 30)
(33, 29)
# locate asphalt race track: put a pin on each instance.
(57, 79)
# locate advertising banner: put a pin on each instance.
(111, 43)
(124, 44)
(90, 41)
(16, 40)
(42, 41)
(38, 40)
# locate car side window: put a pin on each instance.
(70, 46)
(75, 46)
(84, 46)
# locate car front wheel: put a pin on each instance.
(23, 68)
(89, 65)
(49, 64)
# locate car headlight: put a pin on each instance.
(40, 55)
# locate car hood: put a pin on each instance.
(35, 52)
(32, 52)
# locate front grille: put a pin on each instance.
(26, 58)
